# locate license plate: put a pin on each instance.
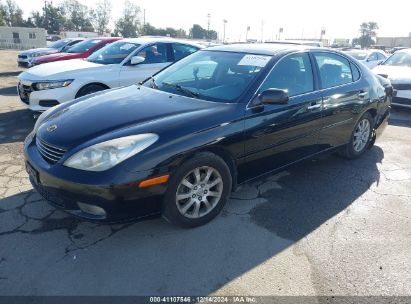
(32, 173)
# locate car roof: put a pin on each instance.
(150, 39)
(263, 48)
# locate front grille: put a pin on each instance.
(48, 103)
(50, 153)
(401, 86)
(23, 56)
(24, 92)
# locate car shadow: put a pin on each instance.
(152, 257)
(9, 91)
(15, 125)
(10, 74)
(400, 117)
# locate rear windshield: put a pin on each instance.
(84, 46)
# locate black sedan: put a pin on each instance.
(180, 142)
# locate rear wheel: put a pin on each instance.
(89, 89)
(197, 191)
(361, 137)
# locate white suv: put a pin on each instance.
(121, 63)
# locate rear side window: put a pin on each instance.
(355, 72)
(182, 50)
(292, 73)
(156, 53)
(335, 70)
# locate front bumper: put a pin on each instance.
(116, 191)
(24, 62)
(39, 101)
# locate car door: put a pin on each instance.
(156, 57)
(279, 134)
(344, 93)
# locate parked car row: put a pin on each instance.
(120, 63)
(25, 58)
(201, 122)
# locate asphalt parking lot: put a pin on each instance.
(325, 227)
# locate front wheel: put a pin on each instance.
(197, 191)
(361, 137)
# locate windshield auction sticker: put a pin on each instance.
(254, 60)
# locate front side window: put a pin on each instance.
(156, 53)
(182, 50)
(334, 70)
(399, 59)
(113, 53)
(211, 75)
(293, 74)
(84, 46)
(373, 57)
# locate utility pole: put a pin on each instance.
(246, 33)
(262, 30)
(46, 25)
(208, 26)
(279, 33)
(224, 24)
(144, 21)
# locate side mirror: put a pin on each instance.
(274, 96)
(136, 60)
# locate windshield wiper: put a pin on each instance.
(181, 89)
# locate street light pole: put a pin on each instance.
(224, 24)
(208, 26)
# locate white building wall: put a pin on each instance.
(394, 41)
(22, 38)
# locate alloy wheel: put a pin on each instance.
(199, 192)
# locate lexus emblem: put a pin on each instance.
(51, 128)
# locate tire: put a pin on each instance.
(194, 206)
(89, 89)
(357, 147)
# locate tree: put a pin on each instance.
(77, 16)
(128, 24)
(12, 14)
(51, 19)
(367, 31)
(197, 32)
(100, 16)
(2, 14)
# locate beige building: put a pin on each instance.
(394, 41)
(22, 38)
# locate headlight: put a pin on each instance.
(52, 84)
(105, 155)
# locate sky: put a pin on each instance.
(298, 18)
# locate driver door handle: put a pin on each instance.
(315, 105)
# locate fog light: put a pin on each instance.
(92, 209)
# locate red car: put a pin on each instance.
(80, 50)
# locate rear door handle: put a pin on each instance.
(315, 105)
(362, 94)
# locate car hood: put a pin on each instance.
(38, 50)
(396, 74)
(59, 56)
(66, 69)
(125, 111)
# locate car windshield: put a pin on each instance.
(58, 44)
(399, 59)
(358, 55)
(211, 75)
(83, 46)
(113, 53)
